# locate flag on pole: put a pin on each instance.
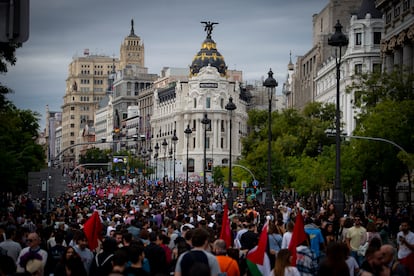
(257, 260)
(225, 233)
(298, 236)
(93, 230)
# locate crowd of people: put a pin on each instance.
(175, 230)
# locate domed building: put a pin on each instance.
(199, 104)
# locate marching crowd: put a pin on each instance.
(178, 230)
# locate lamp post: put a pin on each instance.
(270, 83)
(144, 157)
(164, 145)
(174, 141)
(230, 106)
(338, 39)
(156, 148)
(149, 160)
(187, 132)
(205, 121)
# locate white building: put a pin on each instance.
(185, 103)
(362, 55)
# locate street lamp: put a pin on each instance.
(156, 148)
(338, 39)
(205, 121)
(149, 160)
(187, 132)
(164, 145)
(174, 140)
(270, 83)
(230, 106)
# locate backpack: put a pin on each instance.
(195, 262)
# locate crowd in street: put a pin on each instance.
(175, 229)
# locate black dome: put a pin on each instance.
(208, 55)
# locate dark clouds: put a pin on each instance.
(252, 36)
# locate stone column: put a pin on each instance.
(408, 55)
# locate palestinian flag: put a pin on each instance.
(257, 260)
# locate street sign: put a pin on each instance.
(255, 183)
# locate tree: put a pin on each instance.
(297, 137)
(385, 101)
(19, 151)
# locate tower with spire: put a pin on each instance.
(132, 50)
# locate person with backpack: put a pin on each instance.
(198, 261)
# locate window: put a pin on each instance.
(358, 69)
(72, 125)
(376, 68)
(222, 126)
(207, 142)
(377, 38)
(72, 108)
(195, 103)
(222, 103)
(406, 5)
(221, 142)
(194, 125)
(191, 165)
(208, 102)
(358, 38)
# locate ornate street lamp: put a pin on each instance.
(156, 148)
(205, 121)
(270, 83)
(164, 145)
(187, 132)
(230, 106)
(339, 40)
(174, 141)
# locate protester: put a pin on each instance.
(198, 261)
(227, 264)
(356, 236)
(335, 261)
(389, 260)
(83, 251)
(32, 252)
(283, 265)
(374, 263)
(405, 242)
(11, 247)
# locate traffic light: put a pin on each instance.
(209, 166)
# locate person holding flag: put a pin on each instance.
(257, 260)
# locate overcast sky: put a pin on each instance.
(252, 35)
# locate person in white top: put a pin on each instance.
(32, 252)
(405, 242)
(287, 236)
(282, 265)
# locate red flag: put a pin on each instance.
(225, 233)
(93, 229)
(298, 236)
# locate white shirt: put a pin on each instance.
(289, 271)
(352, 265)
(403, 250)
(287, 236)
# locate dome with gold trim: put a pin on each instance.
(208, 55)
